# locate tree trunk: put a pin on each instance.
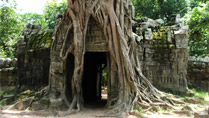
(114, 16)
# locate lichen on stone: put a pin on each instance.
(41, 40)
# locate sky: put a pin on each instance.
(32, 6)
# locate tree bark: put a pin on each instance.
(115, 18)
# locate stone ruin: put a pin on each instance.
(163, 56)
(163, 53)
(198, 73)
(8, 73)
(34, 56)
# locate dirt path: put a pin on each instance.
(87, 113)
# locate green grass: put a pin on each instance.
(202, 94)
(139, 110)
(1, 104)
(6, 94)
(196, 94)
(199, 93)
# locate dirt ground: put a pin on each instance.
(96, 110)
(92, 112)
(87, 113)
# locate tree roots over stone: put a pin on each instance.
(114, 16)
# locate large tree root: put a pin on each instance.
(114, 16)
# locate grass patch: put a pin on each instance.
(201, 94)
(139, 110)
(1, 104)
(198, 93)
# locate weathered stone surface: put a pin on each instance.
(33, 56)
(163, 62)
(56, 102)
(192, 100)
(37, 106)
(198, 73)
(188, 108)
(45, 100)
(23, 104)
(8, 100)
(148, 34)
(8, 62)
(163, 53)
(201, 114)
(8, 76)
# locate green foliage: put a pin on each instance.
(139, 110)
(104, 76)
(202, 94)
(51, 10)
(199, 30)
(32, 18)
(196, 3)
(9, 30)
(165, 9)
(12, 24)
(1, 104)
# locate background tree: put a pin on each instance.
(12, 23)
(51, 10)
(197, 20)
(165, 9)
(33, 18)
(10, 29)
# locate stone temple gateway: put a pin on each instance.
(162, 51)
(96, 58)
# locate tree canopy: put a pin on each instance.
(195, 12)
(12, 23)
(51, 10)
(164, 9)
(10, 29)
(199, 30)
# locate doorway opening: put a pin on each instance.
(69, 74)
(94, 83)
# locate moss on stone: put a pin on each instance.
(160, 37)
(41, 40)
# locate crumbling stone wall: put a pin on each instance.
(8, 73)
(198, 73)
(163, 52)
(33, 56)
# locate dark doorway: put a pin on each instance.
(94, 65)
(69, 74)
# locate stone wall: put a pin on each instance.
(33, 56)
(163, 52)
(8, 73)
(198, 73)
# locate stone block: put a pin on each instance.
(37, 106)
(8, 100)
(56, 102)
(148, 34)
(44, 100)
(201, 114)
(23, 104)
